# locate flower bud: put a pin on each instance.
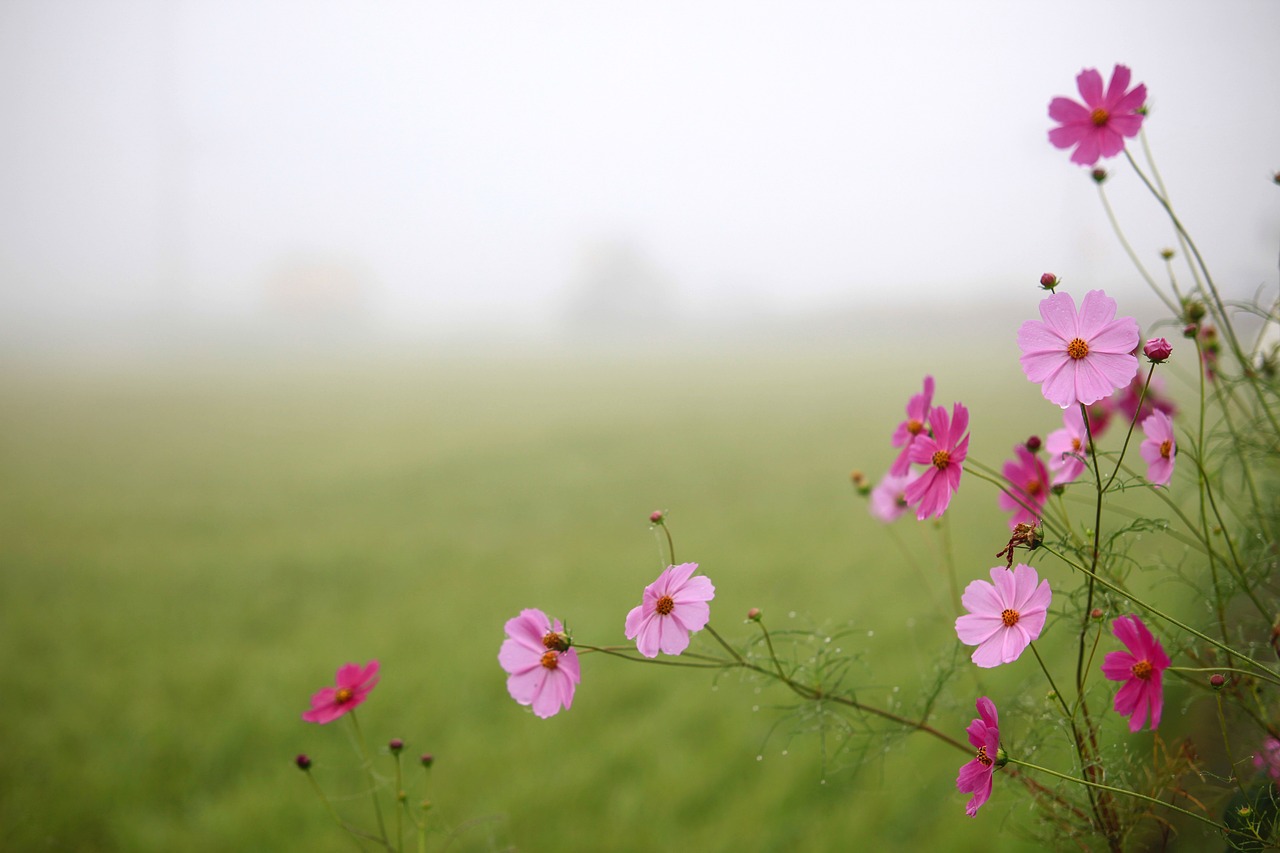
(1049, 281)
(1098, 175)
(428, 759)
(303, 762)
(1193, 311)
(1217, 680)
(657, 516)
(395, 745)
(1002, 757)
(1096, 613)
(1158, 350)
(557, 641)
(1033, 443)
(754, 614)
(1167, 254)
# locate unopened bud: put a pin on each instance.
(857, 477)
(1033, 443)
(1096, 613)
(303, 761)
(428, 759)
(1167, 254)
(1002, 757)
(1217, 680)
(395, 745)
(1158, 350)
(1098, 175)
(1049, 281)
(754, 614)
(1190, 330)
(1193, 311)
(657, 516)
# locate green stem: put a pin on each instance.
(367, 761)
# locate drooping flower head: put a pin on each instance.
(1005, 615)
(905, 435)
(352, 686)
(975, 777)
(889, 497)
(1126, 399)
(1029, 483)
(1067, 447)
(673, 607)
(1079, 358)
(542, 666)
(1159, 448)
(1098, 127)
(944, 453)
(1140, 669)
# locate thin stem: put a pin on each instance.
(355, 834)
(367, 761)
(1142, 270)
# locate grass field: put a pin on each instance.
(187, 552)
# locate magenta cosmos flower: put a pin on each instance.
(1067, 447)
(905, 435)
(674, 606)
(353, 685)
(1268, 758)
(889, 497)
(1139, 668)
(1159, 448)
(1029, 483)
(1098, 127)
(1004, 615)
(542, 667)
(1079, 358)
(975, 777)
(944, 453)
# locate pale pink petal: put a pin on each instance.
(1096, 311)
(1032, 622)
(1058, 311)
(697, 589)
(649, 639)
(1119, 336)
(980, 597)
(1059, 387)
(525, 686)
(672, 639)
(1038, 600)
(1014, 643)
(528, 628)
(635, 622)
(676, 576)
(1006, 586)
(990, 653)
(693, 615)
(1044, 365)
(976, 628)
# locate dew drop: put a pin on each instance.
(784, 752)
(823, 782)
(759, 758)
(755, 707)
(911, 622)
(871, 633)
(895, 689)
(827, 640)
(791, 615)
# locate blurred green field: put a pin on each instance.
(188, 552)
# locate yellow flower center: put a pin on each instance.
(1034, 487)
(1077, 349)
(1075, 445)
(1142, 669)
(941, 460)
(1099, 117)
(665, 605)
(983, 758)
(1166, 447)
(1009, 617)
(550, 660)
(914, 426)
(343, 695)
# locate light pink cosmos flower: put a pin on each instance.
(1005, 615)
(542, 667)
(674, 606)
(905, 435)
(1099, 126)
(889, 497)
(1159, 448)
(944, 453)
(975, 777)
(1030, 486)
(1139, 668)
(353, 684)
(1067, 447)
(1268, 758)
(1079, 358)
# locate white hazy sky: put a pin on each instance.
(459, 161)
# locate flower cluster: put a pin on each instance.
(931, 438)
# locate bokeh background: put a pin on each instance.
(339, 331)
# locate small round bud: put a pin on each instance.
(1190, 330)
(657, 516)
(1033, 443)
(857, 477)
(395, 745)
(1217, 680)
(1167, 254)
(1002, 757)
(1057, 488)
(1193, 311)
(754, 614)
(1098, 175)
(303, 761)
(1049, 281)
(1276, 177)
(1096, 613)
(428, 759)
(1158, 350)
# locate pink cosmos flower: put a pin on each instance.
(542, 667)
(1067, 447)
(975, 777)
(1098, 127)
(353, 687)
(944, 453)
(1004, 616)
(1100, 414)
(1079, 358)
(1139, 668)
(1030, 486)
(1126, 399)
(1268, 758)
(1159, 449)
(889, 497)
(905, 435)
(674, 606)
